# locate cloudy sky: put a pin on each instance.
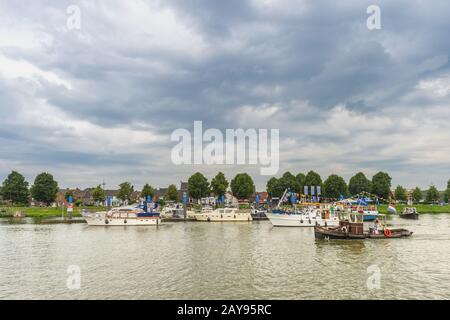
(100, 102)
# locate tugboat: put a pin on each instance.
(356, 228)
(409, 213)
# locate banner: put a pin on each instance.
(305, 190)
(312, 191)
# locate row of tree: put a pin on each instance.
(16, 189)
(335, 186)
(44, 189)
(242, 186)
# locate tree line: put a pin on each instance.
(44, 189)
(335, 186)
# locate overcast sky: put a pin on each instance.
(100, 103)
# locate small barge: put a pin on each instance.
(356, 228)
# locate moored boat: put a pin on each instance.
(259, 214)
(224, 215)
(307, 217)
(134, 215)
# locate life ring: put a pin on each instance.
(344, 229)
(387, 232)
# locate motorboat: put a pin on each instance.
(134, 215)
(259, 213)
(409, 213)
(305, 217)
(173, 210)
(224, 215)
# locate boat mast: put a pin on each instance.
(281, 199)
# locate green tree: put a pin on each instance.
(335, 186)
(15, 188)
(313, 179)
(274, 188)
(198, 186)
(381, 185)
(148, 190)
(98, 194)
(172, 193)
(300, 182)
(400, 193)
(447, 195)
(126, 190)
(417, 195)
(44, 188)
(448, 184)
(359, 183)
(219, 185)
(432, 194)
(242, 186)
(288, 181)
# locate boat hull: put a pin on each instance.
(412, 216)
(145, 221)
(212, 217)
(297, 220)
(336, 234)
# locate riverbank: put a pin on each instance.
(51, 212)
(421, 208)
(43, 212)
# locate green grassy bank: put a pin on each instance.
(43, 212)
(421, 208)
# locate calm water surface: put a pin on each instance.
(221, 261)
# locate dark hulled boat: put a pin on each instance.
(354, 229)
(409, 213)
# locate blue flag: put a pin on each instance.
(184, 198)
(149, 199)
(223, 199)
(257, 199)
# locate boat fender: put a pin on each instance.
(125, 221)
(235, 216)
(344, 229)
(387, 232)
(309, 221)
(106, 221)
(221, 216)
(301, 221)
(208, 219)
(326, 225)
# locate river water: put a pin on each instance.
(187, 260)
